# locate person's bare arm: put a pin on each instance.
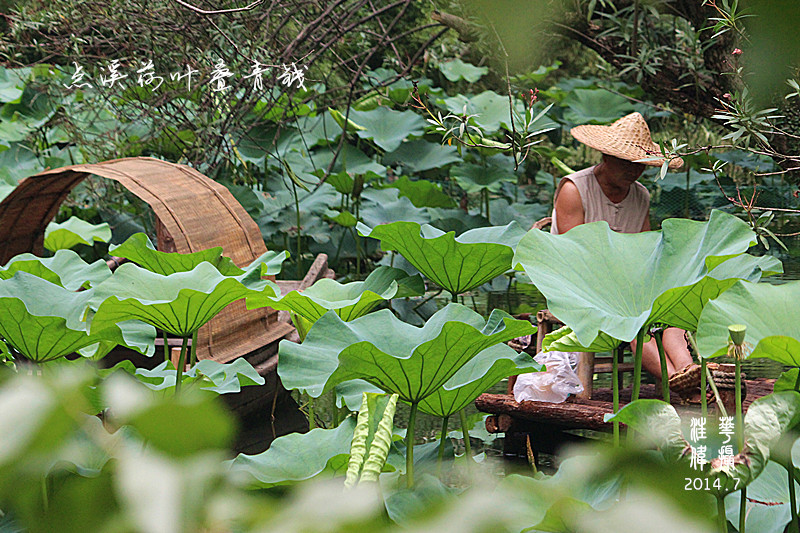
(646, 225)
(569, 209)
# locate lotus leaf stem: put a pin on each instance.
(334, 410)
(739, 417)
(312, 419)
(412, 419)
(722, 520)
(465, 431)
(181, 364)
(797, 381)
(703, 385)
(442, 442)
(615, 385)
(193, 349)
(166, 345)
(742, 509)
(637, 366)
(663, 358)
(792, 496)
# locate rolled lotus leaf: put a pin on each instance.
(393, 355)
(597, 280)
(65, 268)
(457, 264)
(179, 303)
(372, 438)
(349, 300)
(768, 311)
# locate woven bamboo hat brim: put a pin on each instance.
(628, 138)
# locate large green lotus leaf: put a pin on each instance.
(65, 268)
(768, 311)
(74, 231)
(42, 320)
(141, 251)
(393, 355)
(297, 457)
(222, 378)
(457, 264)
(423, 193)
(679, 307)
(596, 106)
(179, 303)
(420, 155)
(767, 419)
(771, 490)
(490, 176)
(484, 370)
(455, 70)
(350, 300)
(388, 128)
(382, 206)
(596, 280)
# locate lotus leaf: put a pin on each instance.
(422, 193)
(420, 155)
(392, 355)
(388, 128)
(484, 370)
(207, 375)
(42, 321)
(74, 231)
(596, 280)
(457, 264)
(772, 487)
(179, 303)
(596, 106)
(65, 268)
(382, 206)
(297, 457)
(474, 178)
(679, 307)
(350, 300)
(767, 419)
(768, 311)
(141, 251)
(456, 69)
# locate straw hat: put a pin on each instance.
(628, 138)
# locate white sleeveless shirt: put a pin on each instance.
(628, 216)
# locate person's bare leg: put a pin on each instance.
(675, 347)
(678, 355)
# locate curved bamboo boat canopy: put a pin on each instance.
(193, 213)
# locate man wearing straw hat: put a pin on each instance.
(610, 191)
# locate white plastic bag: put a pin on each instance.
(553, 384)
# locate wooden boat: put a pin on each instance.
(193, 212)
